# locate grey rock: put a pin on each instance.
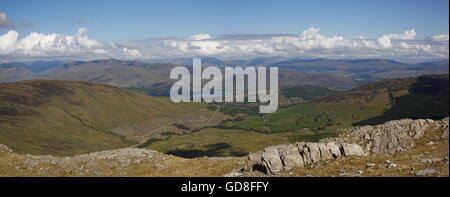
(388, 138)
(425, 172)
(233, 174)
(306, 156)
(254, 160)
(5, 149)
(370, 165)
(291, 157)
(334, 149)
(430, 160)
(314, 151)
(325, 153)
(391, 165)
(352, 149)
(271, 159)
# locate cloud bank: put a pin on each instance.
(309, 43)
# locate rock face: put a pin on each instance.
(276, 159)
(388, 138)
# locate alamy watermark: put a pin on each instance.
(227, 88)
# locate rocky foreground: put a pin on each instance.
(119, 162)
(397, 148)
(387, 139)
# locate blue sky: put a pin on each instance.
(152, 29)
(115, 20)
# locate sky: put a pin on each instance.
(138, 29)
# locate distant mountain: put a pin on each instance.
(68, 117)
(154, 77)
(443, 64)
(15, 73)
(365, 69)
(342, 74)
(35, 66)
(114, 72)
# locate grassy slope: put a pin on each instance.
(306, 92)
(67, 117)
(428, 98)
(228, 142)
(394, 99)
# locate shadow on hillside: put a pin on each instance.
(211, 150)
(428, 98)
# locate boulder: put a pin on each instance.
(254, 160)
(325, 152)
(304, 152)
(334, 149)
(352, 150)
(314, 151)
(271, 160)
(290, 156)
(426, 172)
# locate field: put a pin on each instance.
(229, 142)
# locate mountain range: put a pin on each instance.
(317, 72)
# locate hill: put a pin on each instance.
(71, 117)
(377, 102)
(14, 73)
(114, 72)
(397, 148)
(365, 69)
(34, 66)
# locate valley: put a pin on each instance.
(121, 107)
(68, 117)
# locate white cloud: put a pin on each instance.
(407, 35)
(36, 45)
(439, 38)
(309, 43)
(200, 37)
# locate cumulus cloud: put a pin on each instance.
(37, 45)
(309, 43)
(5, 22)
(407, 35)
(439, 38)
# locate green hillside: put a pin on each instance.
(68, 117)
(306, 92)
(428, 98)
(424, 97)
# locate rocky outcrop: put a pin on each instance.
(276, 159)
(118, 162)
(5, 149)
(388, 138)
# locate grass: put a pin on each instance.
(229, 142)
(66, 117)
(311, 116)
(306, 92)
(374, 103)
